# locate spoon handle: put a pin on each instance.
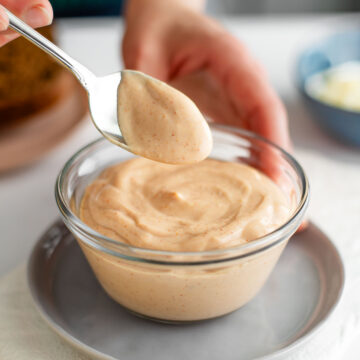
(85, 76)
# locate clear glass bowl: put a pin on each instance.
(188, 286)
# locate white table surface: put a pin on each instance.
(27, 203)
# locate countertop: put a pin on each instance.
(27, 204)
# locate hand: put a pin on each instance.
(35, 13)
(171, 40)
(176, 43)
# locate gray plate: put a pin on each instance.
(299, 296)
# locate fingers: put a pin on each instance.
(208, 96)
(144, 53)
(250, 92)
(35, 13)
(242, 78)
(303, 226)
(254, 103)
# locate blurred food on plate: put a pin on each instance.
(29, 79)
(40, 102)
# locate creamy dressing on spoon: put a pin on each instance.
(159, 122)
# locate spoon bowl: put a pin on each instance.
(103, 107)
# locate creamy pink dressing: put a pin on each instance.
(204, 206)
(207, 205)
(159, 122)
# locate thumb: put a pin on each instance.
(146, 55)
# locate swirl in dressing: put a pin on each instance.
(204, 206)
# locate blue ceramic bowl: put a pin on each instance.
(334, 50)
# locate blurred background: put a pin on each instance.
(280, 6)
(69, 8)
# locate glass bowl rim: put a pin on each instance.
(144, 255)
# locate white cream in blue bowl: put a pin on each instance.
(328, 76)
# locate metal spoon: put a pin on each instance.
(102, 91)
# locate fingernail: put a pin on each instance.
(3, 25)
(37, 16)
(4, 21)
